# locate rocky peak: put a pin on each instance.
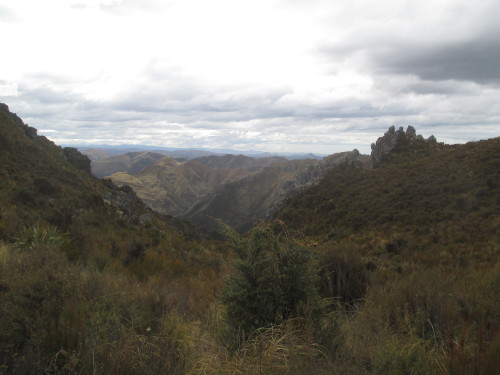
(395, 138)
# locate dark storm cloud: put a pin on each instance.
(473, 60)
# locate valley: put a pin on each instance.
(232, 264)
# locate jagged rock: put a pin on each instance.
(392, 138)
(411, 132)
(123, 200)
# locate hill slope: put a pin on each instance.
(425, 184)
(89, 275)
(411, 247)
(131, 162)
(244, 202)
(44, 184)
(171, 187)
(247, 163)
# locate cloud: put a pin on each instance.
(291, 75)
(124, 7)
(472, 60)
(7, 14)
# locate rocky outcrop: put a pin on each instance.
(123, 199)
(394, 139)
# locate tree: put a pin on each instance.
(272, 281)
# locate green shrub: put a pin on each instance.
(31, 237)
(272, 281)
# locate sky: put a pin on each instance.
(319, 76)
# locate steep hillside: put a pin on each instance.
(419, 185)
(44, 184)
(411, 247)
(131, 162)
(244, 202)
(88, 274)
(239, 162)
(171, 187)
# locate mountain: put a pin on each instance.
(89, 274)
(44, 184)
(234, 188)
(98, 152)
(246, 163)
(94, 153)
(171, 187)
(410, 248)
(242, 203)
(381, 264)
(130, 162)
(418, 184)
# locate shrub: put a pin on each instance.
(272, 281)
(40, 309)
(344, 276)
(31, 237)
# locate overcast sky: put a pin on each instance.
(272, 75)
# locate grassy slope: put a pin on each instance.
(85, 286)
(131, 162)
(407, 251)
(172, 188)
(413, 245)
(426, 187)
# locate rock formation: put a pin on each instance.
(393, 139)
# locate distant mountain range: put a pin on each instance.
(97, 152)
(235, 188)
